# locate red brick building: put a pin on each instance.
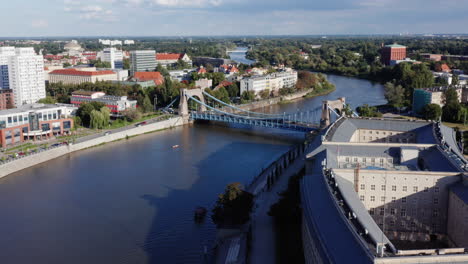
(6, 99)
(34, 122)
(392, 52)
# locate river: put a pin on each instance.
(132, 201)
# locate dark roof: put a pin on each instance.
(339, 243)
(434, 160)
(344, 131)
(461, 191)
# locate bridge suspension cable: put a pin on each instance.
(240, 109)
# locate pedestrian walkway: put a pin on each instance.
(263, 244)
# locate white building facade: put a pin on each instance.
(142, 60)
(114, 57)
(272, 82)
(24, 70)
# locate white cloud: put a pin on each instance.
(187, 3)
(39, 23)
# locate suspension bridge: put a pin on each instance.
(211, 108)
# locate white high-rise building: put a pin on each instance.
(5, 53)
(114, 56)
(25, 74)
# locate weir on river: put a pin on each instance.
(132, 201)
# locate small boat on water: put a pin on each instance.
(175, 146)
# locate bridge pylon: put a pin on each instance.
(184, 95)
(331, 104)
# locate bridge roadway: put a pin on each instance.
(253, 121)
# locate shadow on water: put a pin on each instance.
(174, 236)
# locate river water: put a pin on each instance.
(133, 201)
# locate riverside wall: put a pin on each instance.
(268, 102)
(31, 160)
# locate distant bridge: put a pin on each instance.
(303, 121)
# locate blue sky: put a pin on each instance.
(230, 17)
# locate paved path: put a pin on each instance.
(263, 235)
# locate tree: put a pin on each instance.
(395, 94)
(147, 105)
(455, 79)
(85, 110)
(247, 96)
(368, 111)
(47, 100)
(126, 64)
(452, 110)
(233, 90)
(264, 94)
(66, 65)
(105, 115)
(131, 114)
(217, 77)
(431, 112)
(233, 206)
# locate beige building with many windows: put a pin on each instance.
(385, 191)
(272, 82)
(76, 76)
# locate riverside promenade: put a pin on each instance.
(86, 142)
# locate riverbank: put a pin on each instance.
(35, 159)
(284, 99)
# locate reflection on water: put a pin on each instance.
(132, 201)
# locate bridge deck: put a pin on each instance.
(268, 123)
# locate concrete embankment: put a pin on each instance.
(269, 101)
(31, 160)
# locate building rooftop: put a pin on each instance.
(169, 56)
(31, 107)
(86, 93)
(81, 73)
(149, 76)
(395, 46)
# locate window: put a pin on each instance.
(377, 132)
(9, 120)
(436, 201)
(392, 211)
(413, 225)
(361, 198)
(347, 159)
(355, 160)
(372, 198)
(382, 198)
(405, 188)
(415, 188)
(384, 133)
(393, 199)
(372, 187)
(363, 159)
(435, 213)
(434, 227)
(426, 189)
(372, 211)
(392, 223)
(364, 138)
(403, 200)
(363, 186)
(370, 132)
(394, 188)
(382, 211)
(436, 189)
(403, 212)
(383, 187)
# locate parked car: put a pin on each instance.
(107, 133)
